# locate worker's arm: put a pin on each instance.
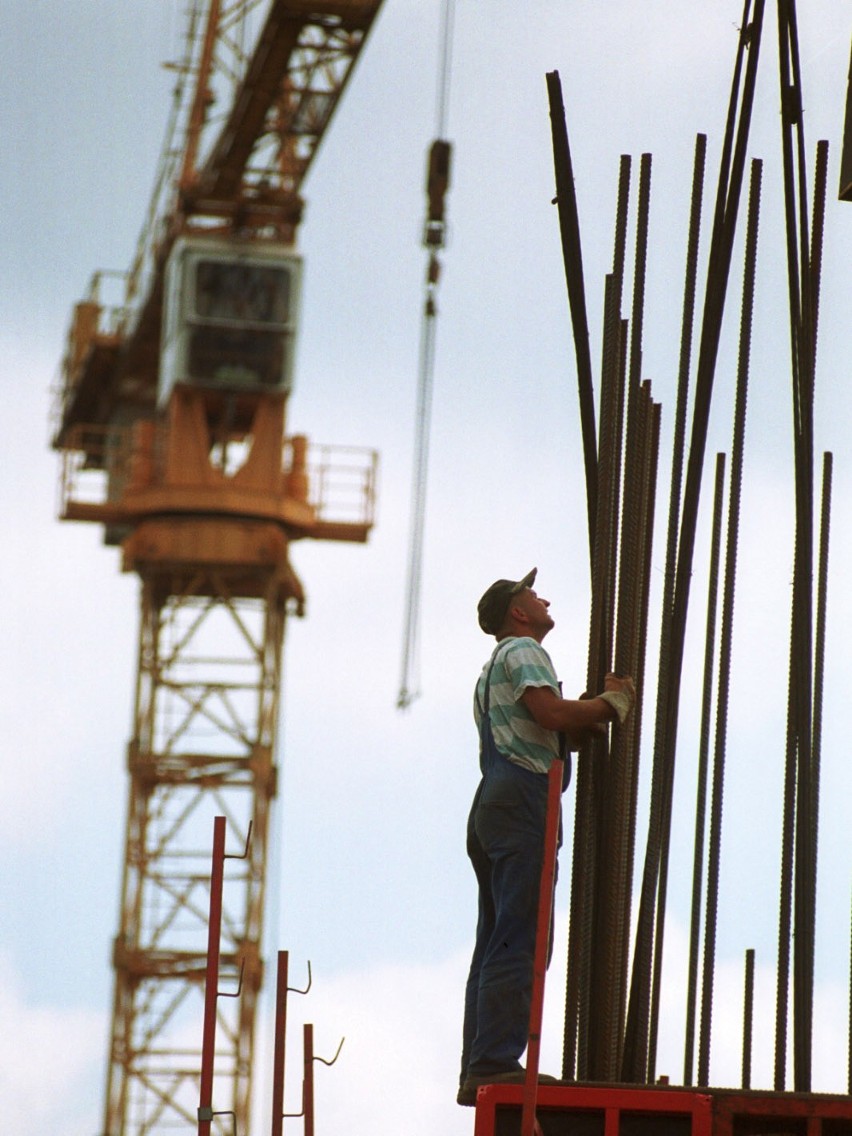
(578, 716)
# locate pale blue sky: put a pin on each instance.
(369, 875)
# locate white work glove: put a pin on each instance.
(620, 694)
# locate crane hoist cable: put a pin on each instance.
(434, 236)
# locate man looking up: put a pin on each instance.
(524, 725)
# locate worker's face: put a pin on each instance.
(536, 608)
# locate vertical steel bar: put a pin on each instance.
(802, 351)
(701, 788)
(785, 917)
(718, 272)
(621, 212)
(725, 646)
(810, 264)
(574, 1053)
(724, 228)
(637, 316)
(819, 662)
(748, 1017)
(821, 618)
(635, 1036)
(803, 356)
(637, 668)
(817, 234)
(651, 474)
(613, 852)
(635, 364)
(612, 893)
(583, 865)
(211, 985)
(818, 225)
(572, 256)
(280, 1047)
(686, 339)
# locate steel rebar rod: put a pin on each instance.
(819, 640)
(788, 816)
(638, 670)
(801, 338)
(615, 857)
(605, 583)
(817, 234)
(681, 402)
(748, 1017)
(726, 638)
(640, 482)
(612, 892)
(572, 256)
(687, 321)
(721, 253)
(818, 683)
(583, 863)
(703, 761)
(721, 246)
(637, 316)
(621, 213)
(593, 757)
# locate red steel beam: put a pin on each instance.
(211, 995)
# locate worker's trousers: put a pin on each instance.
(505, 837)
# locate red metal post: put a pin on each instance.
(211, 990)
(308, 1081)
(542, 943)
(280, 1045)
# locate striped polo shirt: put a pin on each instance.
(518, 664)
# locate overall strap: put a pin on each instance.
(488, 751)
(484, 709)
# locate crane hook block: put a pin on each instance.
(437, 184)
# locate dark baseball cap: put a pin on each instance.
(495, 602)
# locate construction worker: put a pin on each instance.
(524, 725)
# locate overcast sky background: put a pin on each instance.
(368, 874)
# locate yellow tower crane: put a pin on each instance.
(171, 427)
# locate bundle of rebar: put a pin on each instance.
(612, 1004)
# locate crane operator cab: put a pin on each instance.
(230, 316)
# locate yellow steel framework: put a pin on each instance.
(203, 744)
(211, 549)
(205, 506)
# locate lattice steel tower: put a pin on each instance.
(171, 423)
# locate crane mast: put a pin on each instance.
(171, 426)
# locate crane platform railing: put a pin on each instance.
(99, 320)
(96, 470)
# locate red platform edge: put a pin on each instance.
(713, 1112)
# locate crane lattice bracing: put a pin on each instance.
(171, 424)
(203, 742)
(211, 548)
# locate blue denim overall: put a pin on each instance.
(505, 834)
